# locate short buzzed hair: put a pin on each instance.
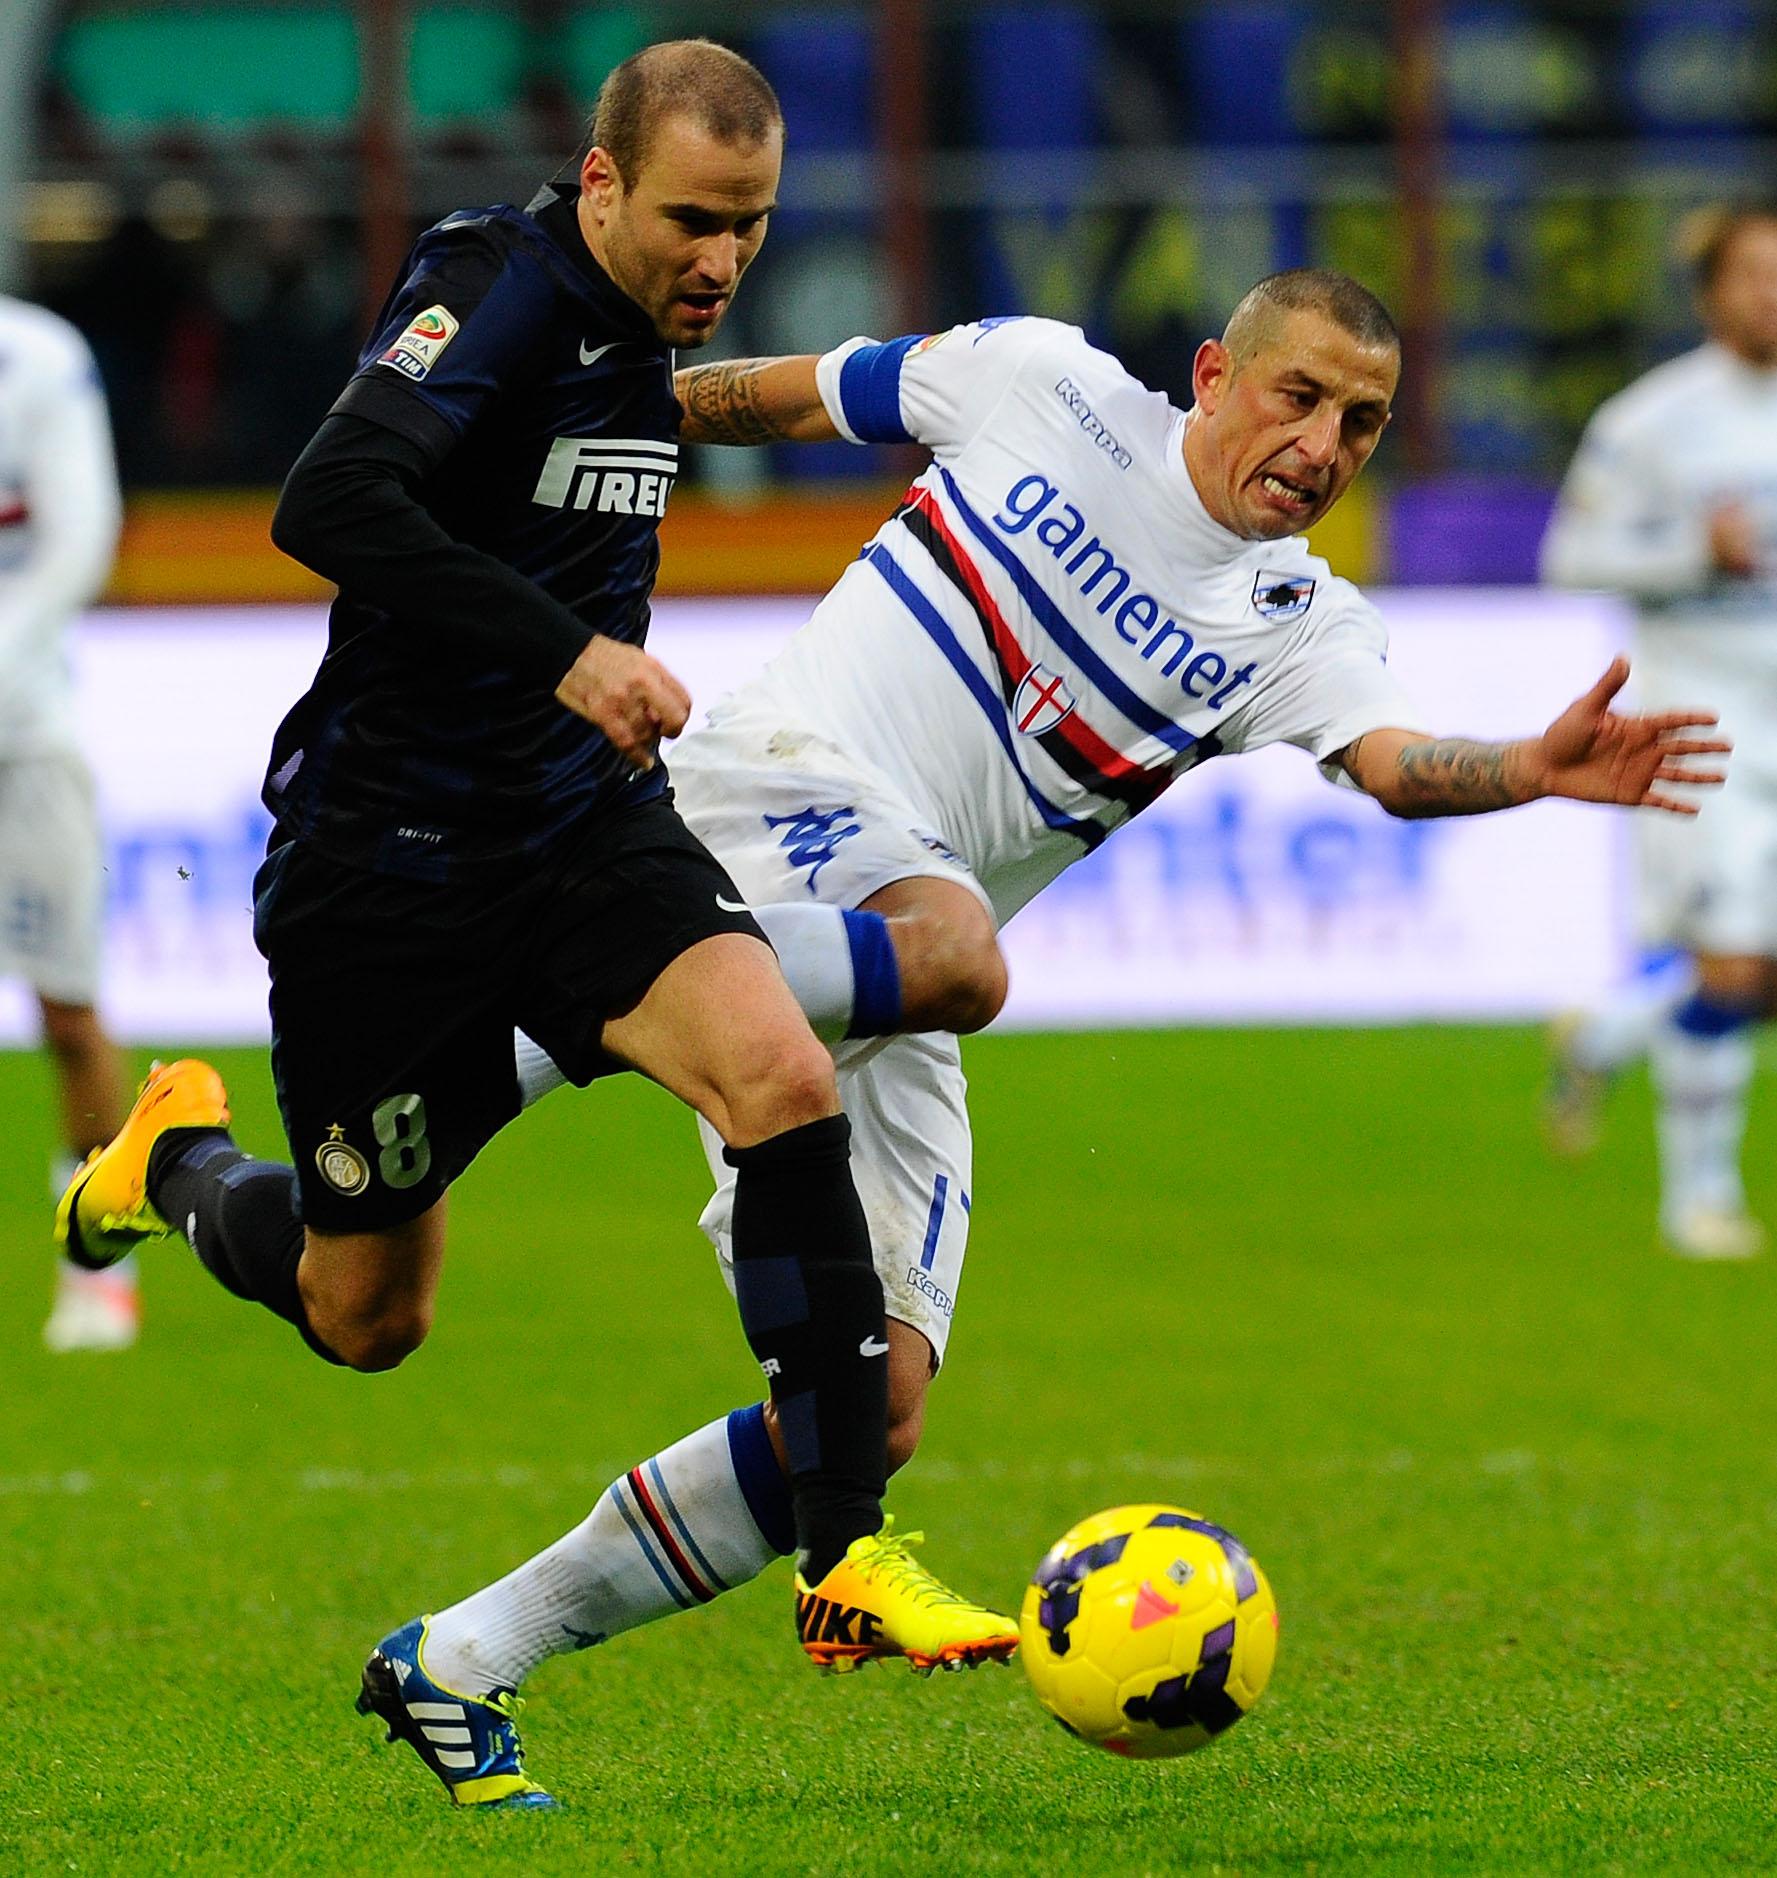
(1706, 236)
(1346, 302)
(725, 95)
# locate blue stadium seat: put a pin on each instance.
(1693, 66)
(1240, 68)
(1033, 77)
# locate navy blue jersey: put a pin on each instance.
(538, 399)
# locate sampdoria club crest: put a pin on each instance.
(1282, 596)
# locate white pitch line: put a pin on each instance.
(1129, 1469)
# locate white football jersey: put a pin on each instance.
(59, 513)
(1689, 437)
(1052, 630)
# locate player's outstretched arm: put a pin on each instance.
(754, 401)
(1589, 754)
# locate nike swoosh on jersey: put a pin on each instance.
(732, 906)
(588, 358)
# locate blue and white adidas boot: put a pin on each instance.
(469, 1741)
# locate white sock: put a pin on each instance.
(814, 952)
(537, 1073)
(1702, 1085)
(1621, 1030)
(671, 1534)
(838, 962)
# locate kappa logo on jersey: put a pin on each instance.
(812, 838)
(1090, 423)
(609, 475)
(1282, 596)
(1043, 700)
(416, 351)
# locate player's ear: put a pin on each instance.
(1210, 372)
(600, 180)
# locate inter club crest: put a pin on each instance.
(1282, 596)
(1041, 702)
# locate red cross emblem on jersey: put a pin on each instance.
(1042, 701)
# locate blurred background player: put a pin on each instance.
(1672, 500)
(59, 512)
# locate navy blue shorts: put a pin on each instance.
(393, 1001)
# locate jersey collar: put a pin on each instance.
(552, 208)
(1201, 530)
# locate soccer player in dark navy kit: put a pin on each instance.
(473, 831)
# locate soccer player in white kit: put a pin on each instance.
(1672, 500)
(59, 513)
(1088, 593)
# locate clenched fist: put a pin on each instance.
(631, 697)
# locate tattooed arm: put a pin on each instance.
(1414, 775)
(1589, 754)
(753, 401)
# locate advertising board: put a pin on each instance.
(1252, 892)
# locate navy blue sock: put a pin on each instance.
(762, 1482)
(811, 1306)
(876, 976)
(239, 1215)
(1702, 1016)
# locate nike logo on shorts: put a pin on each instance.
(873, 1346)
(732, 906)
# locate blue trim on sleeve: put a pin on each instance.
(870, 391)
(876, 975)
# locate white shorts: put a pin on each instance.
(912, 1159)
(793, 818)
(51, 876)
(1709, 884)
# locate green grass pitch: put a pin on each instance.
(1511, 1470)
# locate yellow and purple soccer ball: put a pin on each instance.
(1148, 1630)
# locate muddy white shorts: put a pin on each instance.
(792, 818)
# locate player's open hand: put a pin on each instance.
(631, 697)
(1594, 754)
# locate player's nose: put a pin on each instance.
(1318, 441)
(718, 260)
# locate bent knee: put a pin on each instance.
(967, 983)
(375, 1343)
(953, 975)
(978, 995)
(793, 1085)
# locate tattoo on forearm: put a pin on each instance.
(723, 404)
(1455, 776)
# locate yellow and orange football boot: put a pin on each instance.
(879, 1601)
(105, 1211)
